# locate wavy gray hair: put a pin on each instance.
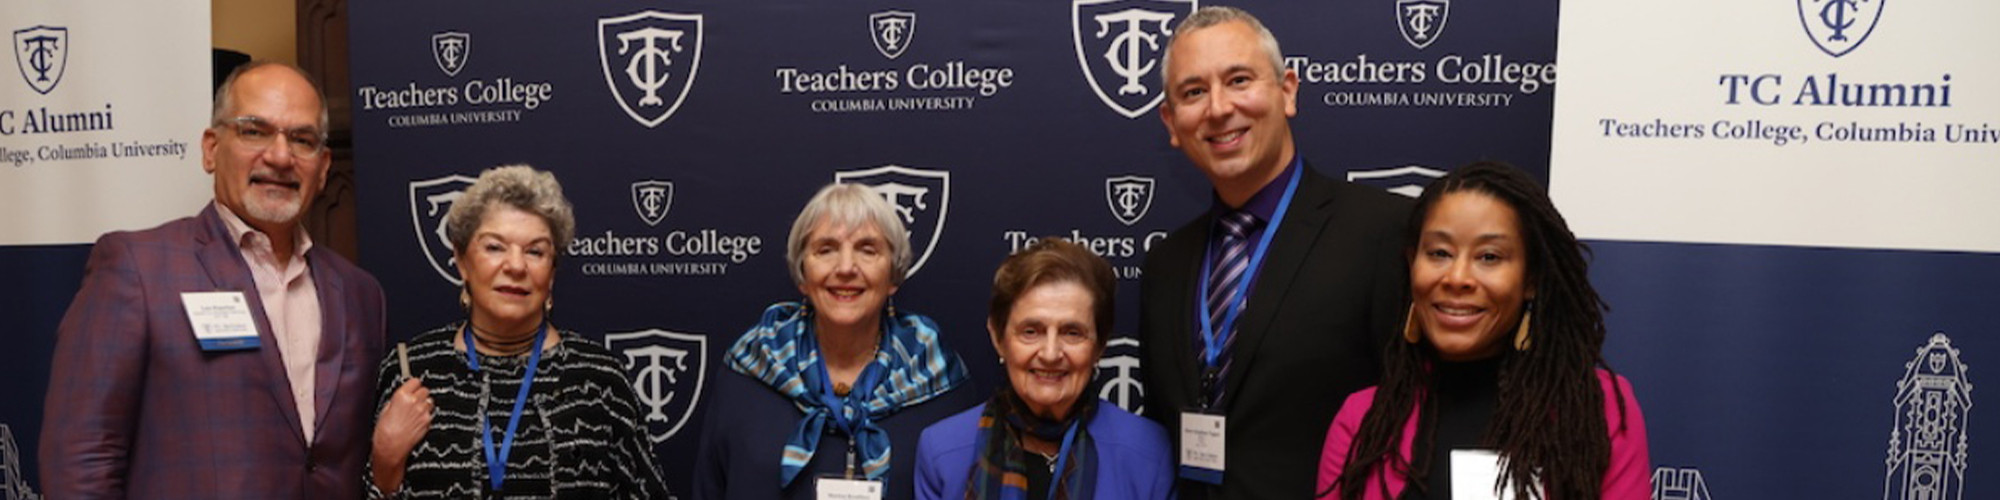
(843, 205)
(519, 186)
(1211, 16)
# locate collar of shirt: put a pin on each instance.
(256, 244)
(1264, 204)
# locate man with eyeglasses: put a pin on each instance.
(222, 355)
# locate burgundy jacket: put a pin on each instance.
(136, 409)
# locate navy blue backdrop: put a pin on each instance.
(991, 128)
(1766, 372)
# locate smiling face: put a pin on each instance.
(846, 275)
(1227, 108)
(1050, 345)
(509, 267)
(267, 186)
(1469, 275)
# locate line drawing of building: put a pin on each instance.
(1679, 483)
(1927, 446)
(12, 485)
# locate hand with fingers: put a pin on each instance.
(399, 427)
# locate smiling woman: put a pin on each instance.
(1046, 434)
(835, 388)
(572, 426)
(1501, 355)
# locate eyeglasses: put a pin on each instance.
(304, 143)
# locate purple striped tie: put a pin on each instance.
(1231, 268)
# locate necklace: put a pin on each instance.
(840, 389)
(500, 347)
(1050, 457)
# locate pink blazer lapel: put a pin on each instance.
(228, 271)
(330, 366)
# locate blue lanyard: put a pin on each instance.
(1062, 458)
(1210, 331)
(496, 466)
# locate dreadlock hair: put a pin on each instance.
(1549, 424)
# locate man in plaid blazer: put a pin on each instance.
(137, 407)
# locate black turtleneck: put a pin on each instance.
(1467, 392)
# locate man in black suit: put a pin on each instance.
(1259, 317)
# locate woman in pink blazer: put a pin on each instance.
(1499, 380)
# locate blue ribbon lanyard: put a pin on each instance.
(1210, 331)
(1062, 458)
(496, 463)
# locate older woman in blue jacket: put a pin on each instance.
(1045, 434)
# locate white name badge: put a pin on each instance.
(828, 488)
(1473, 473)
(221, 320)
(1202, 441)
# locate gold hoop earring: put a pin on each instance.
(464, 299)
(549, 306)
(1410, 331)
(1521, 338)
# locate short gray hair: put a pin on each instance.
(518, 186)
(225, 101)
(1214, 15)
(844, 205)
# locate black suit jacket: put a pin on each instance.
(1333, 288)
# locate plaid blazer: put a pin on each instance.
(136, 409)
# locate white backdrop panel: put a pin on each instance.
(1716, 121)
(100, 119)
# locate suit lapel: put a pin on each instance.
(1289, 248)
(229, 272)
(1186, 333)
(330, 365)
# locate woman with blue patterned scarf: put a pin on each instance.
(1046, 435)
(831, 386)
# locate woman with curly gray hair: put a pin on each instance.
(572, 427)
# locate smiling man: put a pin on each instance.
(1261, 315)
(222, 355)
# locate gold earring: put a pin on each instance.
(464, 299)
(549, 306)
(1521, 339)
(1410, 332)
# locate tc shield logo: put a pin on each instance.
(42, 52)
(650, 60)
(666, 370)
(1119, 372)
(450, 49)
(920, 196)
(430, 200)
(652, 199)
(1129, 197)
(1119, 44)
(892, 31)
(1407, 180)
(1421, 20)
(1838, 26)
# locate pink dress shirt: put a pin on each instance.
(291, 303)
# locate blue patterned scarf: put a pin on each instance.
(911, 367)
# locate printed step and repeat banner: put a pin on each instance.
(102, 106)
(690, 133)
(1799, 235)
